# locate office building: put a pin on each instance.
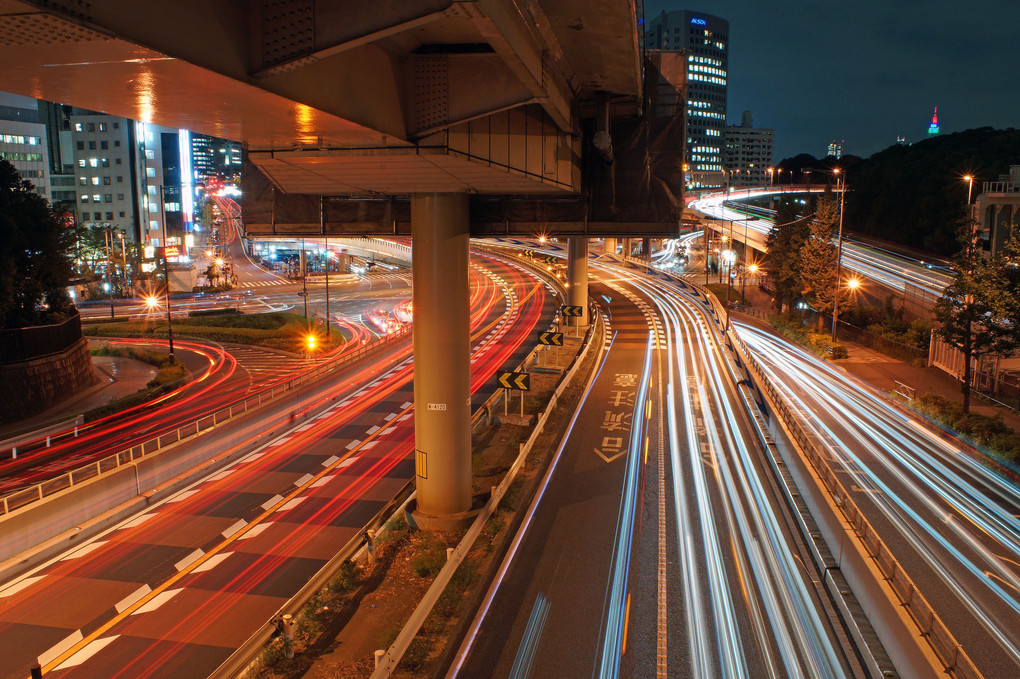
(836, 149)
(23, 140)
(704, 39)
(748, 153)
(213, 157)
(104, 172)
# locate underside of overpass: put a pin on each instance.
(442, 119)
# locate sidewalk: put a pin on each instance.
(116, 378)
(883, 372)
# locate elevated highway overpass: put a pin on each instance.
(440, 119)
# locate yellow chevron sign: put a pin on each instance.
(514, 380)
(572, 311)
(551, 338)
(529, 253)
(552, 260)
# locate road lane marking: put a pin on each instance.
(157, 601)
(18, 586)
(236, 526)
(138, 520)
(130, 599)
(303, 480)
(291, 504)
(330, 460)
(254, 531)
(211, 563)
(87, 652)
(83, 551)
(60, 647)
(353, 444)
(322, 482)
(271, 502)
(189, 559)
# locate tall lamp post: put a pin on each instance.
(970, 185)
(841, 184)
(166, 275)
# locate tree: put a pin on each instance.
(818, 258)
(782, 256)
(35, 263)
(974, 313)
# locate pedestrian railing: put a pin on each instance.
(35, 493)
(952, 656)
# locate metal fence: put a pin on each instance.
(190, 430)
(903, 352)
(24, 344)
(952, 656)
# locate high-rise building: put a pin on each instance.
(23, 140)
(704, 39)
(748, 153)
(165, 183)
(104, 171)
(933, 126)
(213, 157)
(836, 149)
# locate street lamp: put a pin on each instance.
(749, 269)
(841, 185)
(970, 185)
(772, 176)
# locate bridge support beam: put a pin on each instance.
(577, 275)
(646, 248)
(442, 368)
(610, 246)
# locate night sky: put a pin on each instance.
(865, 71)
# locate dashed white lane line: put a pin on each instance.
(330, 460)
(183, 495)
(353, 444)
(221, 475)
(307, 426)
(406, 416)
(60, 647)
(390, 417)
(158, 600)
(271, 501)
(138, 520)
(291, 505)
(212, 562)
(369, 445)
(256, 530)
(347, 463)
(323, 481)
(87, 652)
(303, 480)
(189, 559)
(126, 602)
(236, 526)
(406, 404)
(373, 430)
(18, 586)
(83, 551)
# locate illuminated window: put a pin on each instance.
(96, 198)
(150, 172)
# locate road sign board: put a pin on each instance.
(572, 310)
(552, 260)
(320, 321)
(529, 253)
(514, 380)
(551, 338)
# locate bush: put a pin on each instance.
(820, 344)
(991, 432)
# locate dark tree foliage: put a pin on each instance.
(782, 256)
(978, 312)
(818, 258)
(915, 195)
(35, 263)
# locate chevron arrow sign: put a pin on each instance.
(514, 380)
(551, 338)
(572, 311)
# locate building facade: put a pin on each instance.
(23, 140)
(215, 158)
(704, 39)
(997, 210)
(104, 172)
(748, 153)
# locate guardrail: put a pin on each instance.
(387, 663)
(948, 650)
(247, 652)
(27, 496)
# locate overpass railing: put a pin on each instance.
(193, 429)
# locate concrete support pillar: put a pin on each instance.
(303, 261)
(442, 368)
(646, 248)
(610, 246)
(577, 275)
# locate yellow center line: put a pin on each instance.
(105, 627)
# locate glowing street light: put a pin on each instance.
(970, 185)
(152, 302)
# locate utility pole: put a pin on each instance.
(166, 274)
(839, 258)
(322, 227)
(303, 264)
(108, 238)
